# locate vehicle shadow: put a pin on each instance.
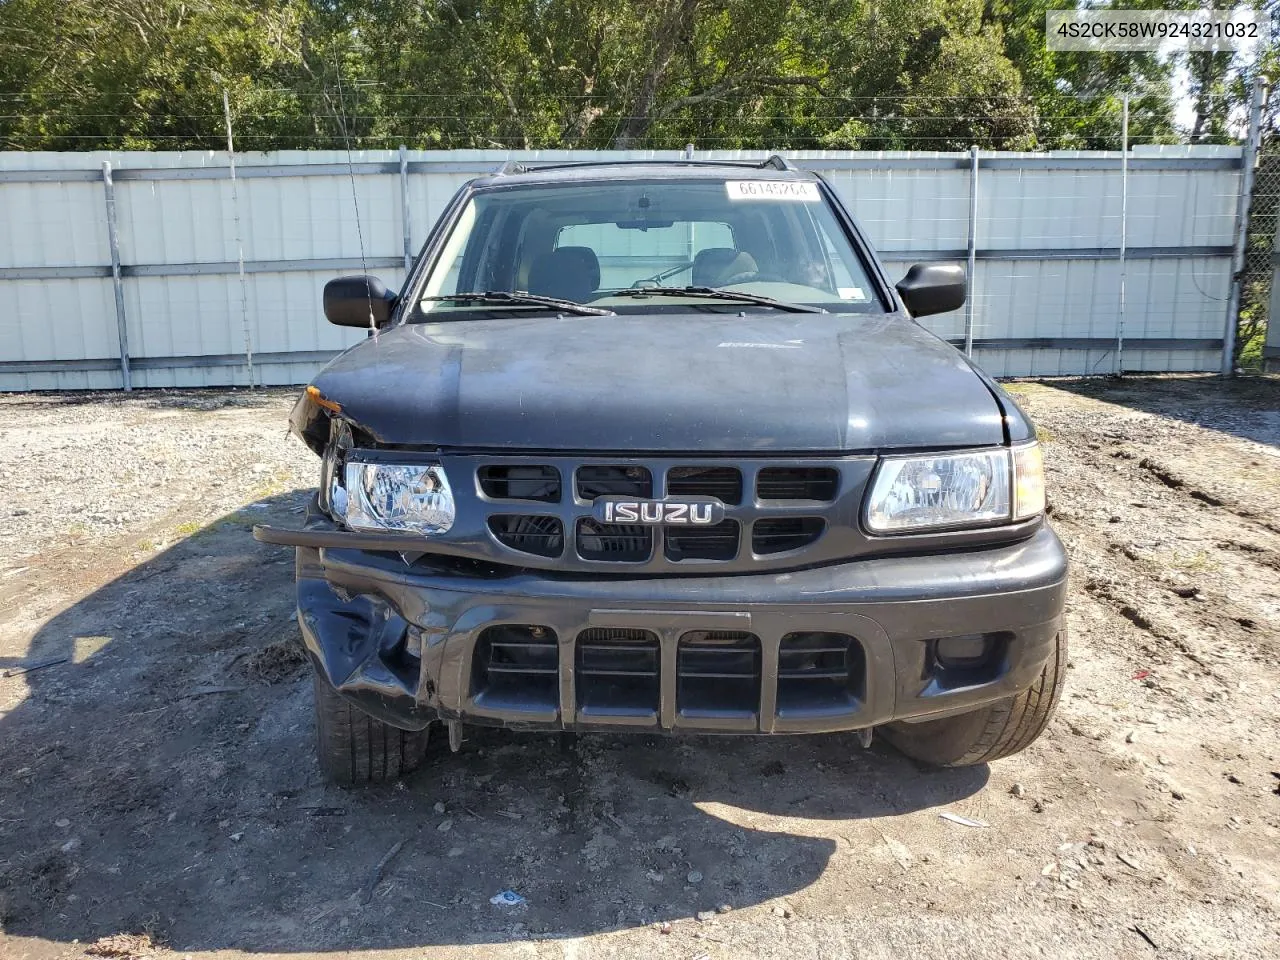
(162, 779)
(1246, 407)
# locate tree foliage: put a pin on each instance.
(847, 74)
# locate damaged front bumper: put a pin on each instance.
(840, 647)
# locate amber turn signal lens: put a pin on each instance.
(1028, 481)
(321, 400)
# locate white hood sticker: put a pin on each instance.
(802, 191)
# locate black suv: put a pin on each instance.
(656, 446)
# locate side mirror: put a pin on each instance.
(933, 288)
(348, 301)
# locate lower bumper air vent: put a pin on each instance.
(718, 673)
(617, 673)
(819, 673)
(516, 667)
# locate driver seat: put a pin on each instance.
(714, 266)
(568, 273)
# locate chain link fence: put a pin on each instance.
(1257, 347)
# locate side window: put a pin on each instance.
(848, 285)
(444, 282)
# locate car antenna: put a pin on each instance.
(355, 198)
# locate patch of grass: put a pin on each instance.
(1044, 434)
(1201, 560)
(188, 529)
(280, 482)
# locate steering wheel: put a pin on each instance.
(662, 275)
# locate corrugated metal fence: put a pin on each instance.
(108, 256)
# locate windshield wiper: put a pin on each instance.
(525, 299)
(713, 294)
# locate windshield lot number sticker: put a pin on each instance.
(803, 191)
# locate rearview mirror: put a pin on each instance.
(933, 288)
(350, 301)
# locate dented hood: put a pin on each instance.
(664, 382)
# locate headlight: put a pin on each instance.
(395, 497)
(956, 490)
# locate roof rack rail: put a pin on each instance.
(513, 167)
(777, 162)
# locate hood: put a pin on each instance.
(665, 382)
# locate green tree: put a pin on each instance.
(147, 74)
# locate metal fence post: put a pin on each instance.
(973, 249)
(235, 211)
(113, 241)
(404, 206)
(1250, 160)
(1124, 230)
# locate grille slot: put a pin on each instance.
(723, 483)
(718, 542)
(621, 480)
(718, 673)
(520, 482)
(780, 534)
(819, 673)
(541, 536)
(516, 666)
(614, 542)
(617, 672)
(797, 483)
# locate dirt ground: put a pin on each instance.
(159, 796)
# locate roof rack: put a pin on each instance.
(772, 162)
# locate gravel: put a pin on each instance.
(1146, 814)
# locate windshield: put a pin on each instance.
(604, 242)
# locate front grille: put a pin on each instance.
(797, 483)
(723, 483)
(516, 666)
(718, 542)
(614, 542)
(541, 536)
(820, 673)
(614, 481)
(544, 511)
(617, 672)
(718, 671)
(780, 534)
(520, 482)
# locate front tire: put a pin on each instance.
(355, 748)
(992, 732)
